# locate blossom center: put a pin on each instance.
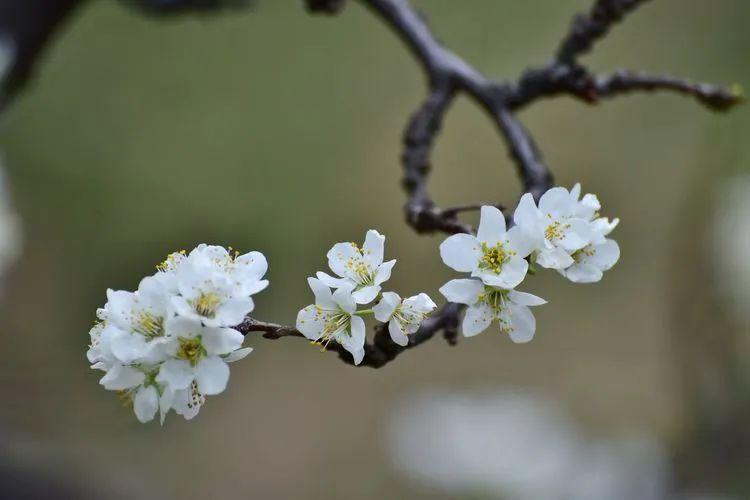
(150, 325)
(496, 298)
(207, 303)
(579, 255)
(493, 257)
(405, 317)
(191, 350)
(555, 231)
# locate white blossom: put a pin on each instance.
(197, 354)
(403, 317)
(557, 227)
(361, 268)
(590, 262)
(167, 345)
(494, 255)
(487, 304)
(333, 318)
(215, 286)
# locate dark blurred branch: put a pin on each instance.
(26, 26)
(587, 29)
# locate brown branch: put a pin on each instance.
(382, 350)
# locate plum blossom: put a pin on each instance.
(196, 354)
(494, 255)
(403, 317)
(167, 345)
(362, 268)
(556, 228)
(487, 304)
(215, 286)
(590, 262)
(333, 318)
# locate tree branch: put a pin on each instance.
(382, 350)
(29, 23)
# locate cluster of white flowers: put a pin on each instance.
(564, 232)
(167, 345)
(361, 273)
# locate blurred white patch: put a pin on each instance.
(515, 446)
(732, 245)
(10, 227)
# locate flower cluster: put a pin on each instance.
(563, 232)
(360, 273)
(167, 345)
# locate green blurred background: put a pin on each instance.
(274, 130)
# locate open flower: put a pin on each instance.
(403, 317)
(197, 354)
(332, 317)
(137, 385)
(362, 268)
(215, 286)
(488, 304)
(556, 227)
(494, 255)
(134, 328)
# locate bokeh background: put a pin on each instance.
(278, 131)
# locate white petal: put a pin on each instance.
(183, 327)
(397, 334)
(513, 272)
(421, 302)
(476, 320)
(251, 266)
(145, 403)
(520, 242)
(323, 295)
(176, 373)
(556, 258)
(556, 202)
(219, 341)
(231, 312)
(605, 255)
(373, 248)
(577, 236)
(343, 298)
(575, 191)
(491, 225)
(238, 354)
(384, 309)
(253, 286)
(527, 215)
(461, 252)
(355, 342)
(383, 273)
(462, 291)
(583, 273)
(340, 257)
(587, 207)
(127, 347)
(603, 226)
(525, 299)
(332, 282)
(120, 377)
(365, 295)
(523, 323)
(212, 375)
(311, 321)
